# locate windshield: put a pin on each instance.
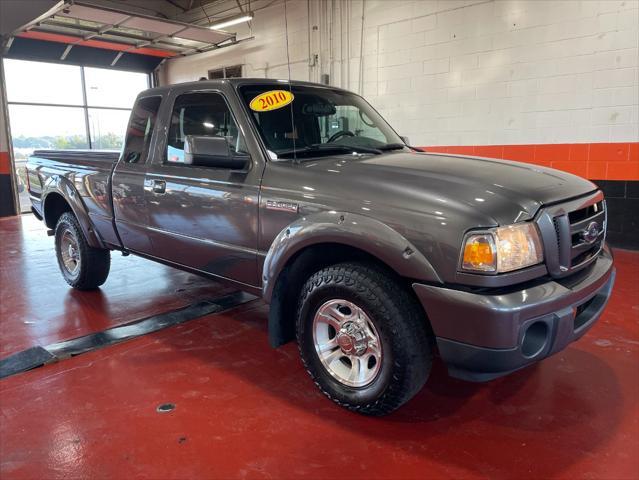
(323, 121)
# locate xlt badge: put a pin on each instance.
(282, 206)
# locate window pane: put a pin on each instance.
(107, 128)
(215, 74)
(349, 118)
(37, 82)
(201, 114)
(113, 88)
(319, 116)
(140, 129)
(233, 72)
(34, 127)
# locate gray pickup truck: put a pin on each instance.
(373, 255)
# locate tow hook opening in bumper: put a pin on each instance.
(535, 339)
(583, 312)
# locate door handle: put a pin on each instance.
(159, 186)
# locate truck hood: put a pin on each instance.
(504, 191)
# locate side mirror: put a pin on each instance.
(405, 140)
(212, 152)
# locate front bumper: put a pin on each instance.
(484, 336)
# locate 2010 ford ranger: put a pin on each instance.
(372, 254)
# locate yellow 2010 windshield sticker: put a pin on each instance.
(271, 100)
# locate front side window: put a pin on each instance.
(201, 114)
(317, 121)
(140, 130)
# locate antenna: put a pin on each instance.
(290, 88)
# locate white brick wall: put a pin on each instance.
(464, 72)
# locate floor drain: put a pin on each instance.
(165, 407)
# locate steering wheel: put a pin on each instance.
(340, 134)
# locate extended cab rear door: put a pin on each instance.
(203, 217)
(127, 182)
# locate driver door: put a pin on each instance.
(205, 218)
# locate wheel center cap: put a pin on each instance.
(351, 338)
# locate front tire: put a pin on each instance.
(363, 339)
(82, 266)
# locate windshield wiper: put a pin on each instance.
(392, 146)
(327, 148)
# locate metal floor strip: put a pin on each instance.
(38, 356)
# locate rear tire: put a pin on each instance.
(82, 266)
(363, 338)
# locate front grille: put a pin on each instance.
(587, 232)
(584, 213)
(555, 223)
(573, 233)
(587, 255)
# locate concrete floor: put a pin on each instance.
(244, 410)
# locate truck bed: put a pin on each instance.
(79, 157)
(86, 171)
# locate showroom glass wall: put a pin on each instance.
(54, 106)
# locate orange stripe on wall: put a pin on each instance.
(595, 161)
(5, 167)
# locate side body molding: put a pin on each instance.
(64, 187)
(358, 231)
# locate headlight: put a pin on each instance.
(502, 249)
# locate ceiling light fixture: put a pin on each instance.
(227, 22)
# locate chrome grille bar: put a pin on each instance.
(573, 233)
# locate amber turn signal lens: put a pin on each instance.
(479, 253)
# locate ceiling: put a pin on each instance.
(174, 8)
(199, 12)
(121, 28)
(101, 25)
(16, 13)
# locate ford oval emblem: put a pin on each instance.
(591, 232)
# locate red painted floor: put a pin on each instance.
(38, 308)
(244, 410)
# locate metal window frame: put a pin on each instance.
(223, 70)
(7, 130)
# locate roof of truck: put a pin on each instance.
(241, 81)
